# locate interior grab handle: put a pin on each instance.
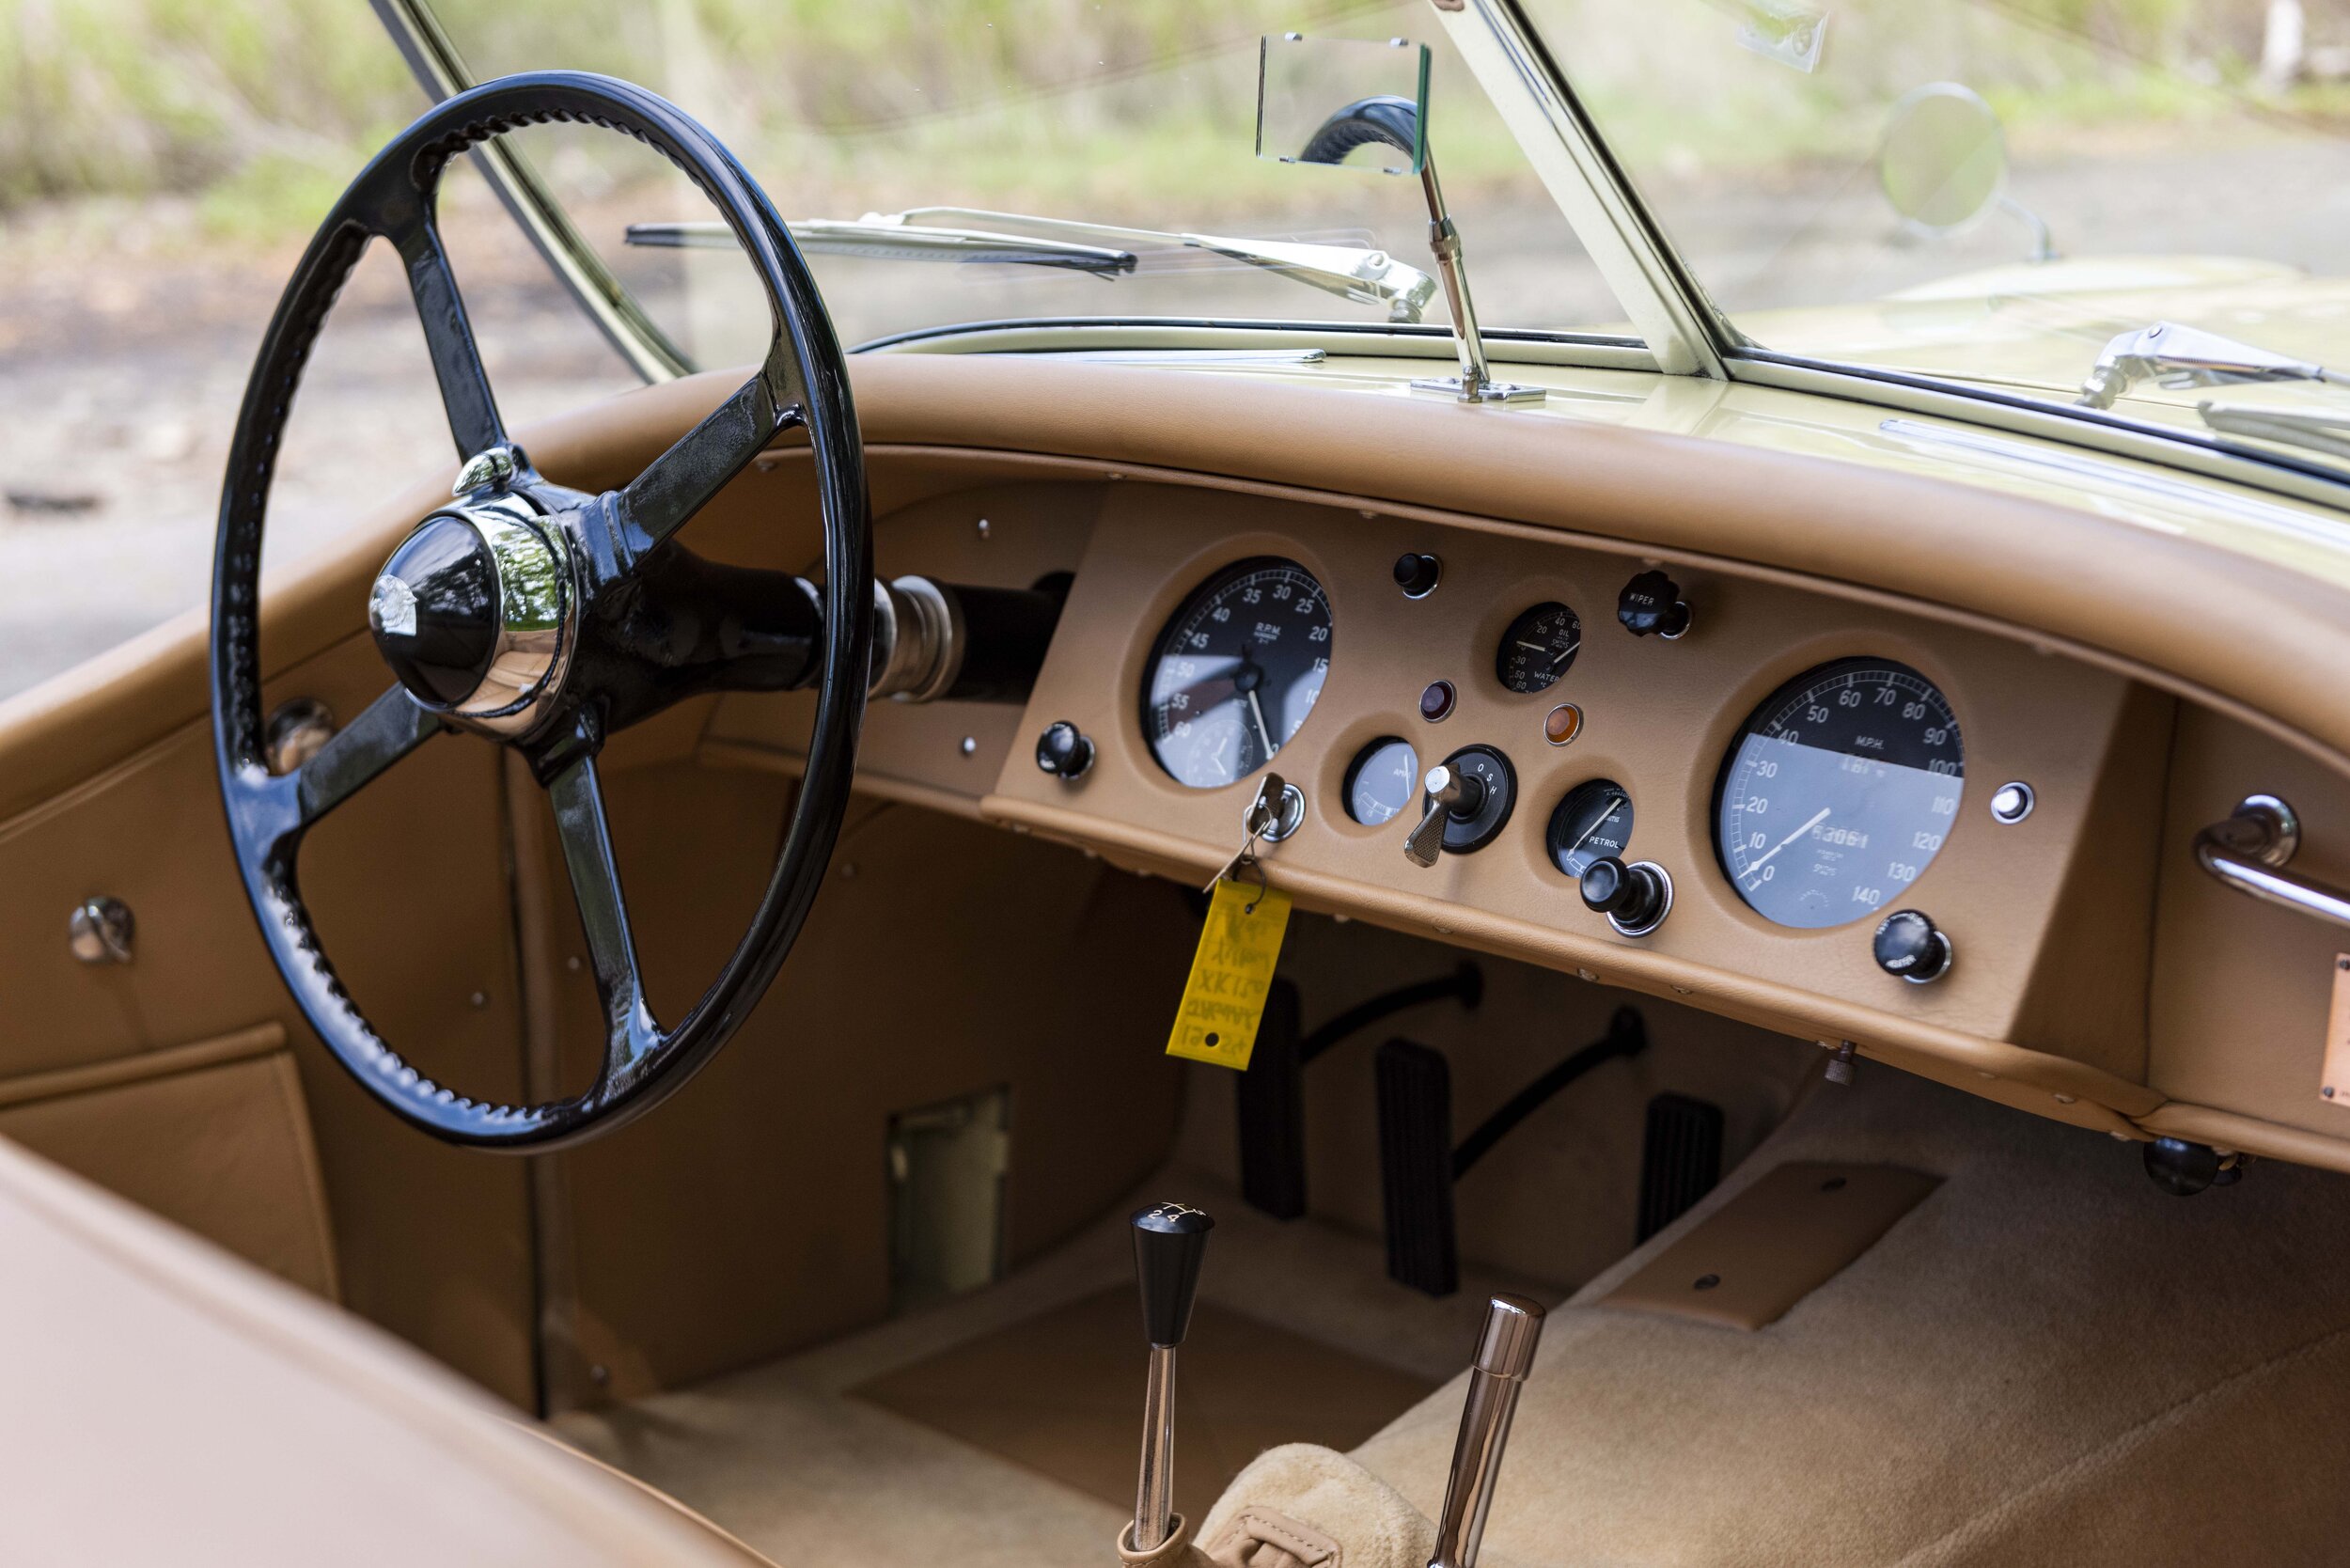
(2249, 851)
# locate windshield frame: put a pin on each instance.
(1678, 329)
(1687, 331)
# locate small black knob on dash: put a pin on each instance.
(1169, 1241)
(1634, 898)
(1910, 946)
(1063, 751)
(1418, 574)
(1652, 602)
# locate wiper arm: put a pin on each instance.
(1357, 272)
(2177, 357)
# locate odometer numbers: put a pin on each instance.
(1839, 791)
(1235, 671)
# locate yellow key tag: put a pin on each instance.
(1224, 999)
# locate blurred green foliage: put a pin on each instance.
(257, 110)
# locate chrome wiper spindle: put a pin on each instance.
(1357, 272)
(2177, 357)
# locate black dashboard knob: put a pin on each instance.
(1636, 897)
(1418, 574)
(1910, 946)
(1652, 601)
(1063, 751)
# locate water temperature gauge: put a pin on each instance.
(1539, 647)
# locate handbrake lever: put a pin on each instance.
(1505, 1354)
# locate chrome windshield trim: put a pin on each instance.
(1341, 340)
(433, 60)
(2166, 446)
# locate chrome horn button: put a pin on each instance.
(471, 612)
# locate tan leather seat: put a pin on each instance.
(161, 1401)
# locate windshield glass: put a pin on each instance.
(1996, 190)
(1134, 113)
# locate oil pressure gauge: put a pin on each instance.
(1539, 647)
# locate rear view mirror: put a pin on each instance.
(1347, 103)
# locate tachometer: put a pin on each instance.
(1236, 671)
(1839, 791)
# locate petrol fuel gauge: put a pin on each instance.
(1591, 824)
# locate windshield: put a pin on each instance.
(1138, 114)
(1997, 190)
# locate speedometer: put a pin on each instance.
(1838, 792)
(1236, 671)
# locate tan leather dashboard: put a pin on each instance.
(2133, 673)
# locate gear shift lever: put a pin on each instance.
(1169, 1241)
(1505, 1354)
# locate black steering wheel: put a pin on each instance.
(546, 619)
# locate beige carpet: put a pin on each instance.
(2047, 1361)
(789, 1457)
(1062, 1393)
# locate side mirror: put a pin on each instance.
(1320, 100)
(1942, 163)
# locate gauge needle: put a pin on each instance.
(1566, 654)
(1256, 711)
(1584, 838)
(1806, 828)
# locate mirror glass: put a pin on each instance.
(1943, 162)
(1349, 102)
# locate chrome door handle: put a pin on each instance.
(2250, 851)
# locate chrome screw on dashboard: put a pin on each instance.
(100, 931)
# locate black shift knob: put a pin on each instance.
(1169, 1241)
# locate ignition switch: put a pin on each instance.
(1466, 801)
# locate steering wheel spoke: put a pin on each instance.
(630, 1031)
(466, 395)
(681, 480)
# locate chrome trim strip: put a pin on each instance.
(1071, 335)
(432, 59)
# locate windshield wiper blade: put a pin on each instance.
(1358, 272)
(2320, 429)
(2177, 357)
(900, 242)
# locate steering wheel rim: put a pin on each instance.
(603, 547)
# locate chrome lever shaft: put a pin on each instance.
(1505, 1354)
